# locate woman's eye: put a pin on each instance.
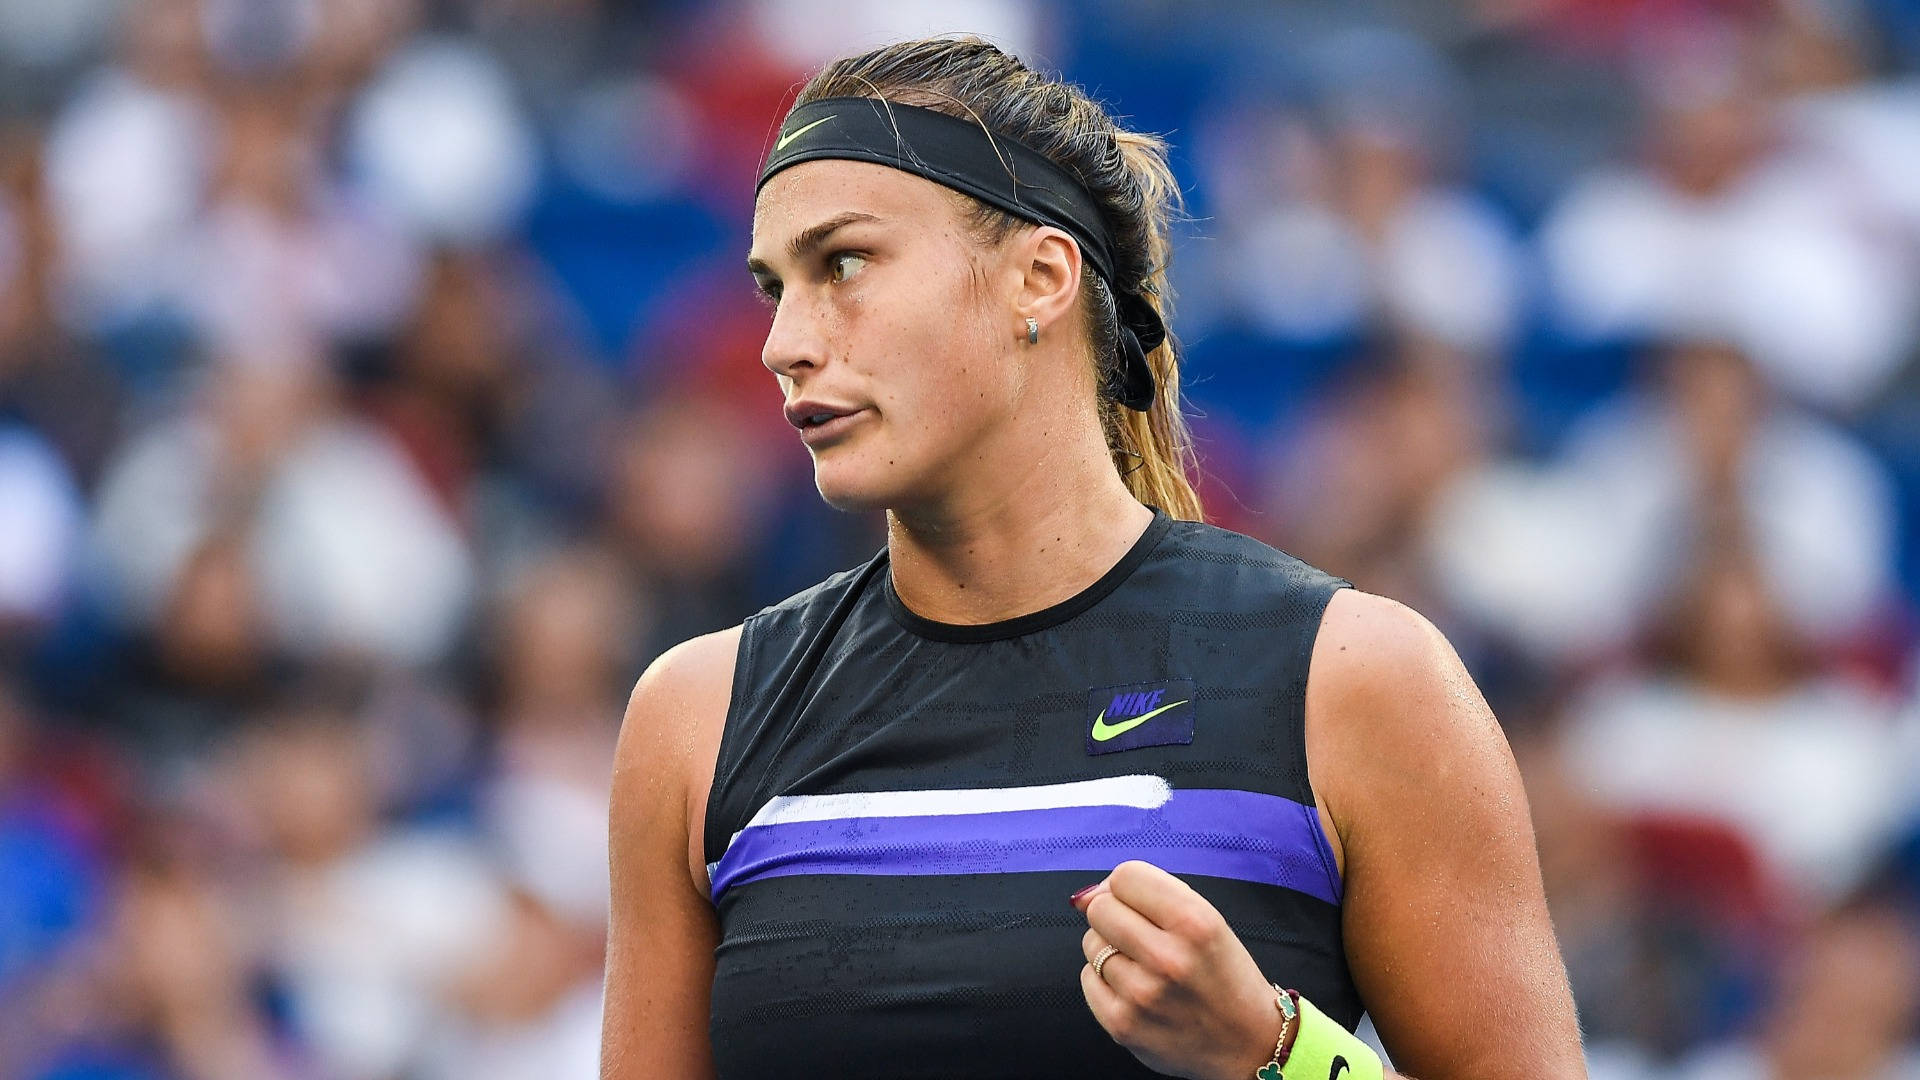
(843, 266)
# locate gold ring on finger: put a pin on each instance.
(1100, 958)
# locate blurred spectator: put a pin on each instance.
(39, 521)
(1845, 1011)
(50, 379)
(533, 1008)
(128, 160)
(1569, 560)
(1726, 234)
(40, 40)
(349, 549)
(282, 261)
(1356, 484)
(570, 639)
(205, 664)
(184, 975)
(683, 510)
(1350, 219)
(804, 34)
(438, 139)
(1868, 130)
(1733, 717)
(50, 862)
(534, 1011)
(372, 927)
(444, 400)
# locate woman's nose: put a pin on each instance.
(794, 342)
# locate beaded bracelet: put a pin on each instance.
(1322, 1048)
(1284, 1001)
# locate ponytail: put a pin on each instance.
(1154, 449)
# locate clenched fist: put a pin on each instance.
(1182, 993)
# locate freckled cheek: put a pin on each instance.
(896, 393)
(910, 363)
(882, 354)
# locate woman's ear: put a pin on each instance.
(1049, 264)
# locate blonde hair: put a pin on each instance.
(1127, 174)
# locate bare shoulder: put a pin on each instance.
(662, 930)
(695, 668)
(1443, 912)
(670, 736)
(1372, 649)
(686, 678)
(1389, 700)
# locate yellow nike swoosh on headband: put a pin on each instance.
(1102, 731)
(797, 132)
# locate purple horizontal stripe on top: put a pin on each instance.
(1214, 832)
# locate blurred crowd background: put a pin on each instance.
(379, 392)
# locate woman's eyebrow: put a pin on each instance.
(811, 237)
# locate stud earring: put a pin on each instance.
(1033, 331)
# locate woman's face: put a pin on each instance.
(894, 330)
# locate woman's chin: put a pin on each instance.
(855, 486)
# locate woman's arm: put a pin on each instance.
(1444, 917)
(662, 930)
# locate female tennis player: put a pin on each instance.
(1063, 782)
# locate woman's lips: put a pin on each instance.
(818, 435)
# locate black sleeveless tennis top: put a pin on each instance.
(901, 807)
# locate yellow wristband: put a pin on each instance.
(1323, 1050)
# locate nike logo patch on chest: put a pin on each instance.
(1159, 713)
(1102, 731)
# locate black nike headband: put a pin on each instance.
(999, 171)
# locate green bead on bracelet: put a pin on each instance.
(1283, 1000)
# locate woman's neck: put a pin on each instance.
(1018, 550)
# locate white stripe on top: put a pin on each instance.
(1141, 790)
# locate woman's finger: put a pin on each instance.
(1091, 943)
(1133, 983)
(1107, 1005)
(1129, 931)
(1120, 971)
(1159, 897)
